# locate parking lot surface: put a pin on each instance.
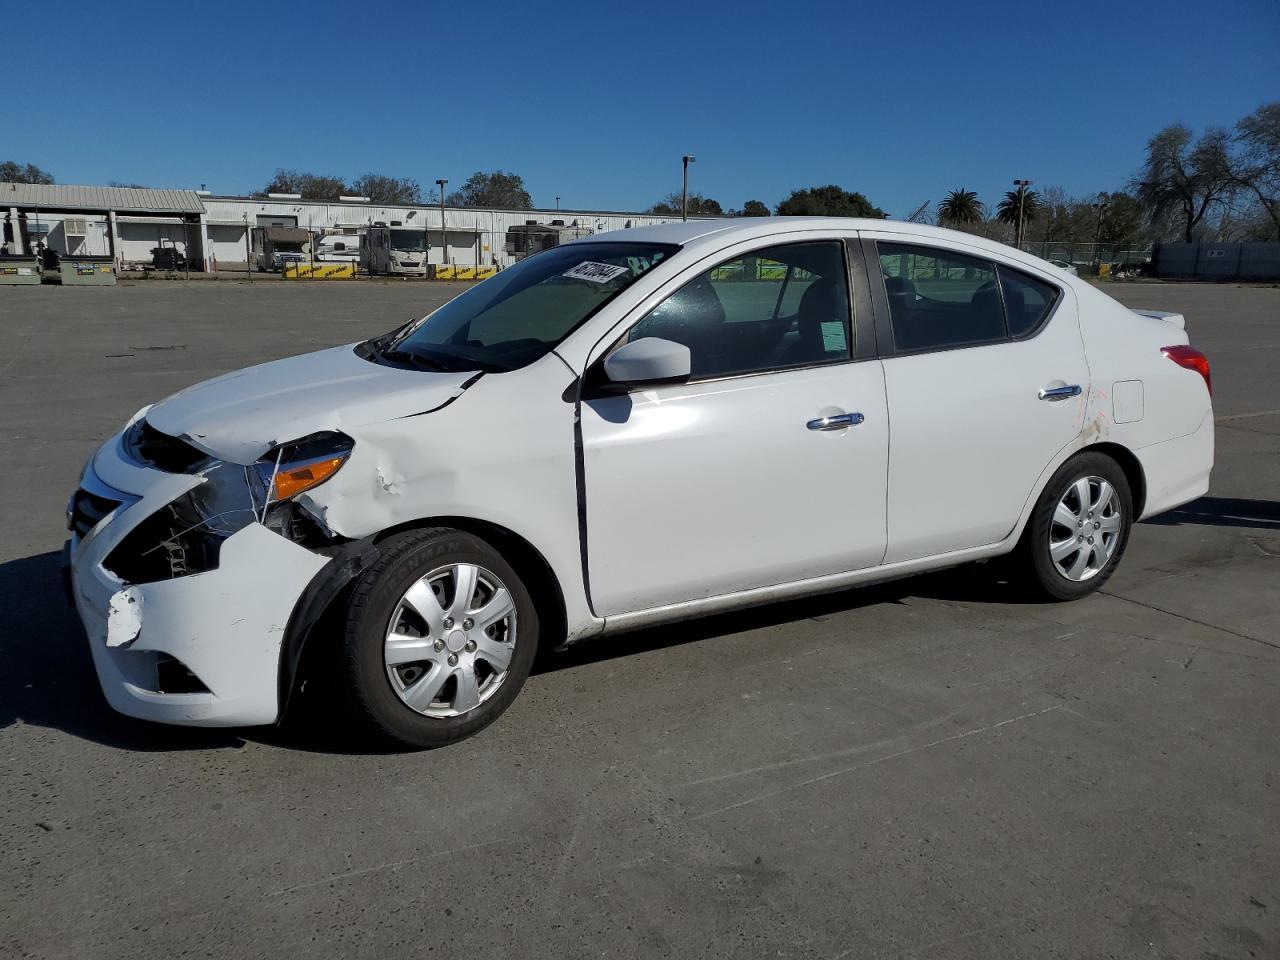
(927, 768)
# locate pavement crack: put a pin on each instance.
(377, 868)
(871, 763)
(1246, 416)
(1199, 623)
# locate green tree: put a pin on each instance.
(754, 208)
(11, 172)
(498, 189)
(960, 206)
(828, 201)
(1121, 220)
(383, 189)
(1182, 180)
(699, 206)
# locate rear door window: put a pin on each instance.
(1027, 301)
(939, 299)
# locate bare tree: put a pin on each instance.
(312, 186)
(1181, 181)
(383, 189)
(11, 172)
(1256, 162)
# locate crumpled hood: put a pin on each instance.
(240, 416)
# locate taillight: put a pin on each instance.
(1191, 359)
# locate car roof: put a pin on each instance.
(728, 231)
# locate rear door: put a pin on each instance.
(735, 480)
(986, 381)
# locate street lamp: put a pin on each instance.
(444, 237)
(1022, 195)
(1101, 207)
(684, 191)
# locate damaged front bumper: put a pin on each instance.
(201, 646)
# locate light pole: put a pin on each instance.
(444, 237)
(1101, 207)
(1022, 196)
(684, 191)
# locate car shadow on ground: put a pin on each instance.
(49, 680)
(1224, 512)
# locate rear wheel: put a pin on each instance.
(1078, 530)
(440, 635)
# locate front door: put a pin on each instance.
(767, 467)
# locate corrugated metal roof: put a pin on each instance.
(61, 196)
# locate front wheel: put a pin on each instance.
(440, 636)
(1078, 530)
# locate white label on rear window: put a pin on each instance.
(595, 272)
(833, 336)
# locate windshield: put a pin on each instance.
(516, 317)
(408, 240)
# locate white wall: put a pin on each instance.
(138, 239)
(95, 244)
(463, 222)
(227, 244)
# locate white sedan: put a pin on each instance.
(630, 429)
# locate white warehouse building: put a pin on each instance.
(128, 223)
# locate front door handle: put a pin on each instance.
(840, 421)
(1059, 393)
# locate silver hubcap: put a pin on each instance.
(450, 640)
(1085, 528)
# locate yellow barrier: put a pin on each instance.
(319, 271)
(455, 271)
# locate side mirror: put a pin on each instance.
(649, 360)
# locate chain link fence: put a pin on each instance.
(1089, 259)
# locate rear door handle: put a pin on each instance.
(840, 421)
(1059, 393)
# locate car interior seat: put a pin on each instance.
(819, 304)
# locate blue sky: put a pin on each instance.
(596, 102)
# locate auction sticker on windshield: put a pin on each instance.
(595, 272)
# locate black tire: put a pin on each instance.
(406, 558)
(1032, 563)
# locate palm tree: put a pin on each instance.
(1007, 211)
(1018, 207)
(961, 206)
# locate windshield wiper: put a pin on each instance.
(417, 359)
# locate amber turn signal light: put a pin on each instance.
(295, 478)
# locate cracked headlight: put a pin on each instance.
(186, 536)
